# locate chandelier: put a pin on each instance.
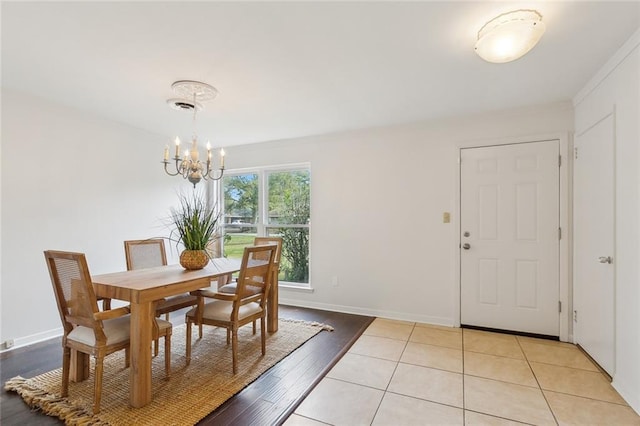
(192, 95)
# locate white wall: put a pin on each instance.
(617, 86)
(378, 196)
(70, 181)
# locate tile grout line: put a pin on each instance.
(464, 399)
(394, 372)
(537, 381)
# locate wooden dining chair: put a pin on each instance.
(245, 305)
(87, 329)
(272, 302)
(148, 254)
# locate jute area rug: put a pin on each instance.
(191, 393)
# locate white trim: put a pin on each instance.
(35, 338)
(423, 319)
(565, 223)
(296, 288)
(291, 166)
(621, 54)
(626, 391)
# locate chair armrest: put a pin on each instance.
(204, 293)
(215, 295)
(252, 298)
(112, 313)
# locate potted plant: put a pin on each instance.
(194, 226)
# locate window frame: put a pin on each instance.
(262, 225)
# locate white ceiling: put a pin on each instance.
(289, 69)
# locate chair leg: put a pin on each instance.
(166, 316)
(155, 347)
(66, 362)
(106, 304)
(127, 357)
(167, 354)
(234, 348)
(228, 336)
(254, 327)
(97, 390)
(200, 331)
(188, 355)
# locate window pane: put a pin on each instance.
(289, 197)
(240, 200)
(234, 243)
(294, 259)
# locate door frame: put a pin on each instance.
(565, 272)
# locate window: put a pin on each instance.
(271, 201)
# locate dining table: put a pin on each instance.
(142, 288)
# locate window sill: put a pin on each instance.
(297, 288)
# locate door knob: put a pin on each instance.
(605, 259)
(466, 246)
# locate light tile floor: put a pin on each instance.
(402, 373)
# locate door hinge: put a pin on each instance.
(559, 306)
(559, 160)
(575, 316)
(575, 152)
(559, 233)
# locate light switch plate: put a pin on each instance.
(446, 217)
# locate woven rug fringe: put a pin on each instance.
(50, 404)
(325, 327)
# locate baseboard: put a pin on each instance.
(34, 338)
(401, 316)
(626, 391)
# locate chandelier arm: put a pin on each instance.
(166, 163)
(185, 168)
(207, 171)
(210, 176)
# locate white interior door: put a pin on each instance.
(509, 218)
(593, 270)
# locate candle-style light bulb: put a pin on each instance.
(222, 158)
(177, 147)
(166, 153)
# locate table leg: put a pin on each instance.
(79, 368)
(141, 336)
(272, 306)
(79, 365)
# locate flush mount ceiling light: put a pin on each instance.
(509, 36)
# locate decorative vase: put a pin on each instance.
(194, 259)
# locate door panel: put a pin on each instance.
(509, 199)
(594, 282)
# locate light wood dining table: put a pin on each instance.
(141, 288)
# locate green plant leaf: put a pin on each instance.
(194, 223)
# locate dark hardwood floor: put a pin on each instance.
(267, 401)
